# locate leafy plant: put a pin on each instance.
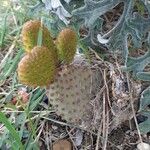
(133, 24)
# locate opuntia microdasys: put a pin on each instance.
(66, 44)
(37, 68)
(30, 34)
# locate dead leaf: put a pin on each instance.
(22, 95)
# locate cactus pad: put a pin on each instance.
(73, 89)
(30, 34)
(37, 68)
(66, 45)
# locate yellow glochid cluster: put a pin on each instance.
(39, 66)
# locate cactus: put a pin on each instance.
(37, 68)
(73, 89)
(66, 44)
(30, 37)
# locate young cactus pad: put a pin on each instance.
(37, 68)
(30, 33)
(73, 89)
(66, 45)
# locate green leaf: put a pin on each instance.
(92, 10)
(145, 126)
(129, 24)
(3, 32)
(36, 98)
(138, 64)
(12, 66)
(12, 130)
(143, 76)
(144, 110)
(40, 36)
(145, 99)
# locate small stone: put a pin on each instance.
(143, 146)
(62, 145)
